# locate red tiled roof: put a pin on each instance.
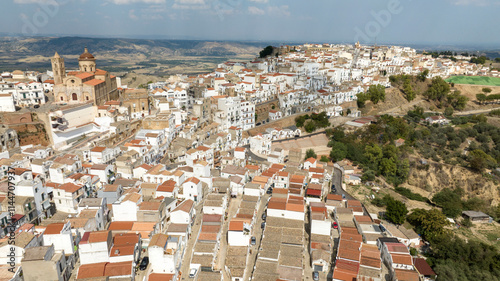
(54, 228)
(92, 270)
(401, 259)
(423, 267)
(313, 192)
(70, 187)
(118, 269)
(235, 226)
(121, 225)
(94, 82)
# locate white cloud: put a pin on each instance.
(126, 2)
(131, 15)
(259, 1)
(190, 5)
(282, 10)
(255, 11)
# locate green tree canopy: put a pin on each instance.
(429, 223)
(338, 152)
(486, 90)
(266, 51)
(437, 90)
(310, 153)
(423, 75)
(376, 93)
(396, 210)
(450, 201)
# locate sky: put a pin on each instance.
(439, 22)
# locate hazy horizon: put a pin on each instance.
(401, 22)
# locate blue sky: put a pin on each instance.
(384, 21)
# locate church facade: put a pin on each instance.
(88, 84)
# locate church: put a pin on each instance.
(88, 84)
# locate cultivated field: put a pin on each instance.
(474, 80)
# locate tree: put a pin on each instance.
(299, 121)
(310, 127)
(450, 201)
(408, 90)
(266, 51)
(361, 99)
(448, 112)
(497, 59)
(388, 167)
(338, 134)
(437, 90)
(338, 152)
(324, 159)
(486, 90)
(423, 75)
(374, 154)
(311, 153)
(481, 98)
(429, 223)
(396, 210)
(376, 93)
(368, 175)
(479, 160)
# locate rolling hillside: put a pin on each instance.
(159, 56)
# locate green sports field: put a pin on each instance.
(474, 80)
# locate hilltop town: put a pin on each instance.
(227, 175)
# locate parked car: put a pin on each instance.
(269, 190)
(334, 190)
(263, 225)
(253, 240)
(315, 275)
(264, 216)
(144, 263)
(335, 225)
(343, 196)
(192, 272)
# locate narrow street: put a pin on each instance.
(257, 232)
(221, 257)
(188, 252)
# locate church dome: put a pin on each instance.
(86, 55)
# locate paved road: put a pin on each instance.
(298, 138)
(254, 156)
(337, 180)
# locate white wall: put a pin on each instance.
(237, 238)
(126, 211)
(321, 227)
(93, 252)
(62, 242)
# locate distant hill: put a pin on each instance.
(122, 54)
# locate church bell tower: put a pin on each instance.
(58, 68)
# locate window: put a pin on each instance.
(74, 96)
(62, 99)
(59, 201)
